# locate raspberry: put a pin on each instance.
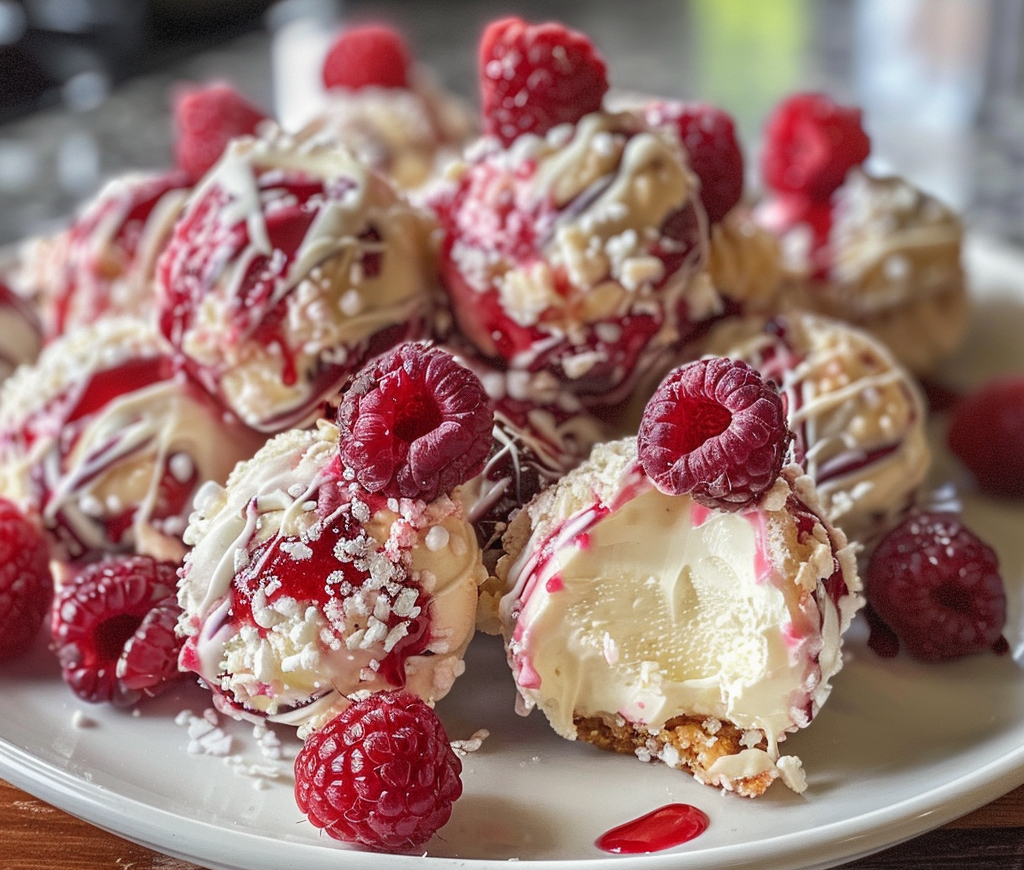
(536, 76)
(709, 136)
(150, 657)
(715, 429)
(361, 57)
(206, 119)
(810, 143)
(382, 773)
(26, 586)
(987, 432)
(415, 423)
(937, 586)
(112, 629)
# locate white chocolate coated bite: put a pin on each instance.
(302, 591)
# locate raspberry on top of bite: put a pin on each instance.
(304, 586)
(536, 76)
(206, 119)
(575, 246)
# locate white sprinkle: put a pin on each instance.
(437, 539)
(80, 720)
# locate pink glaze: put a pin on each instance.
(528, 677)
(554, 584)
(663, 828)
(699, 515)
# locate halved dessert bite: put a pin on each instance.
(339, 560)
(681, 595)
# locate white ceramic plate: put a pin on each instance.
(900, 748)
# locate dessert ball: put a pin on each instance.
(303, 590)
(104, 263)
(290, 266)
(106, 444)
(576, 252)
(858, 416)
(874, 251)
(745, 264)
(388, 110)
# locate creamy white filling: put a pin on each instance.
(638, 605)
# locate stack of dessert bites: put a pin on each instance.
(314, 406)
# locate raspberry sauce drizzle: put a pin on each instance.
(663, 828)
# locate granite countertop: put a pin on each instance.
(923, 109)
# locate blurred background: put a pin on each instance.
(86, 85)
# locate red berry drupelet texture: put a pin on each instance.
(709, 136)
(717, 430)
(810, 144)
(415, 423)
(986, 432)
(112, 628)
(206, 119)
(536, 76)
(371, 55)
(26, 585)
(381, 774)
(938, 587)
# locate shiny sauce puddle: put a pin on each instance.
(663, 828)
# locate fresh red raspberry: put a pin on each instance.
(112, 628)
(709, 136)
(415, 423)
(810, 143)
(366, 56)
(937, 585)
(536, 76)
(715, 429)
(26, 586)
(987, 432)
(382, 773)
(206, 119)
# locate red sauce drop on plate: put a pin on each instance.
(663, 828)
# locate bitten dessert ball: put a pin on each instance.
(289, 268)
(645, 617)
